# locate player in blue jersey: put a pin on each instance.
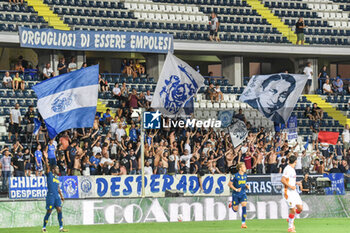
(54, 195)
(238, 183)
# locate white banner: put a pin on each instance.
(155, 185)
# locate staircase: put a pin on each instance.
(329, 109)
(275, 21)
(44, 10)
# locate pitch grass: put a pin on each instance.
(329, 225)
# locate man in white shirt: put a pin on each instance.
(120, 132)
(48, 72)
(114, 126)
(7, 80)
(116, 91)
(327, 89)
(106, 163)
(309, 72)
(15, 122)
(290, 194)
(97, 148)
(72, 66)
(346, 138)
(148, 98)
(186, 157)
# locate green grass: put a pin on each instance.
(330, 225)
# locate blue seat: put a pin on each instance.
(5, 102)
(150, 80)
(23, 111)
(28, 103)
(6, 111)
(141, 88)
(10, 94)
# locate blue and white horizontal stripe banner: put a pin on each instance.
(82, 97)
(69, 100)
(96, 40)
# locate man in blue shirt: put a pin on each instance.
(54, 195)
(95, 161)
(38, 161)
(238, 183)
(51, 152)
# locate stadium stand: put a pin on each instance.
(267, 21)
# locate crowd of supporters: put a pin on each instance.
(112, 147)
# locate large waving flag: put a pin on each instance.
(177, 83)
(69, 100)
(328, 137)
(274, 95)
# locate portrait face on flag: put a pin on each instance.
(274, 95)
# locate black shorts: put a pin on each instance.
(14, 128)
(309, 82)
(70, 164)
(213, 33)
(200, 173)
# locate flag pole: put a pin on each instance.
(142, 155)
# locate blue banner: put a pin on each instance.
(337, 180)
(36, 187)
(96, 40)
(292, 128)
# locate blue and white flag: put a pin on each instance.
(238, 132)
(37, 125)
(225, 117)
(69, 100)
(275, 95)
(292, 130)
(177, 83)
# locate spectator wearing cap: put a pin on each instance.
(338, 86)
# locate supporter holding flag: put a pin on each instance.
(69, 100)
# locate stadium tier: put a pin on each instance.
(26, 98)
(255, 21)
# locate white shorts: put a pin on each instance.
(292, 198)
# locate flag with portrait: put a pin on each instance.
(238, 132)
(275, 95)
